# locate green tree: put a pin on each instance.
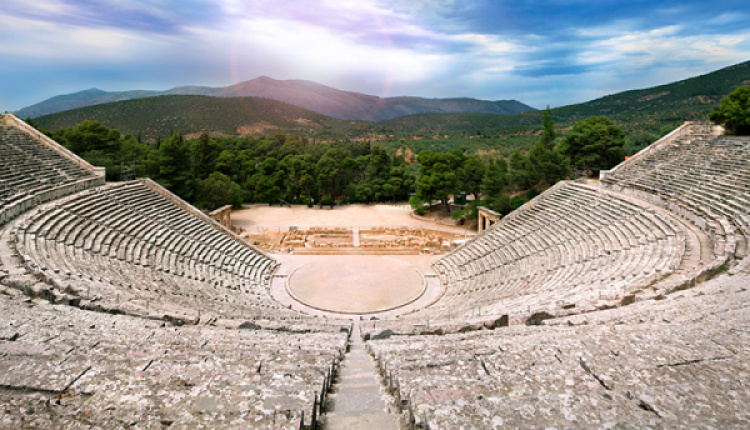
(437, 177)
(549, 164)
(400, 183)
(269, 181)
(636, 142)
(228, 163)
(595, 143)
(377, 174)
(495, 178)
(734, 112)
(521, 173)
(333, 174)
(217, 190)
(516, 202)
(548, 134)
(175, 168)
(473, 175)
(299, 168)
(205, 153)
(91, 136)
(501, 204)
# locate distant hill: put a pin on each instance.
(345, 105)
(636, 110)
(83, 98)
(162, 115)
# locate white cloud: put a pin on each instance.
(414, 47)
(62, 44)
(664, 45)
(324, 55)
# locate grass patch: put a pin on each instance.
(723, 268)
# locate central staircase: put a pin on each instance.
(358, 400)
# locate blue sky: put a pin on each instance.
(553, 52)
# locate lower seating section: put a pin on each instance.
(704, 178)
(571, 246)
(126, 247)
(66, 368)
(33, 172)
(681, 362)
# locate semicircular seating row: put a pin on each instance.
(32, 172)
(702, 178)
(125, 246)
(665, 363)
(571, 245)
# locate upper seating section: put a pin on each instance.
(703, 178)
(569, 248)
(127, 246)
(36, 169)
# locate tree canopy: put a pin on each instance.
(734, 112)
(438, 177)
(213, 171)
(594, 143)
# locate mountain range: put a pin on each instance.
(643, 112)
(343, 105)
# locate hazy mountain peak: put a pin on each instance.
(346, 105)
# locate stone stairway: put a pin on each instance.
(358, 399)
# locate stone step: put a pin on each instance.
(358, 400)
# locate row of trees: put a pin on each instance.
(211, 172)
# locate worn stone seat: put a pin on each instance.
(118, 367)
(704, 177)
(115, 252)
(669, 361)
(553, 250)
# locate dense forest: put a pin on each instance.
(213, 171)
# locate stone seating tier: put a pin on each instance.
(704, 178)
(125, 247)
(32, 173)
(571, 246)
(674, 363)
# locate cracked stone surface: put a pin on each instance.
(681, 361)
(69, 368)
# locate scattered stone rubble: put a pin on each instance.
(341, 240)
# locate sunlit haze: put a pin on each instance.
(540, 53)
